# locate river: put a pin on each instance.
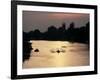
(57, 54)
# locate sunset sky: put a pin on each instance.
(42, 20)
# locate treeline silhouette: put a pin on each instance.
(71, 34)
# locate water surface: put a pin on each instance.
(57, 54)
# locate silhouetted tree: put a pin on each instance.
(72, 34)
(26, 50)
(51, 33)
(37, 34)
(72, 26)
(61, 32)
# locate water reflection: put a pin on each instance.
(57, 54)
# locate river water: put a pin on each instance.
(57, 54)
